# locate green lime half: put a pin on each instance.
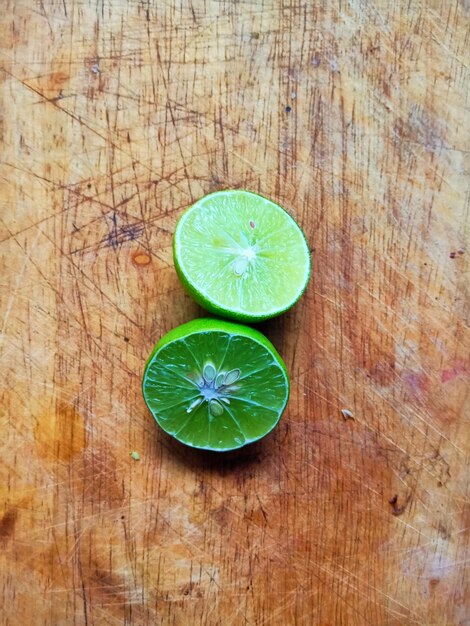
(241, 256)
(215, 385)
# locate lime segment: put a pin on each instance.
(215, 385)
(241, 255)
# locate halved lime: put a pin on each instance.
(241, 256)
(215, 385)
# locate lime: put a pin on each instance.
(241, 256)
(215, 385)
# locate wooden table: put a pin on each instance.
(354, 116)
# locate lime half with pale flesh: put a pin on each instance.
(241, 256)
(215, 385)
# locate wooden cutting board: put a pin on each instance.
(354, 116)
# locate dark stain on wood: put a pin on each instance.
(7, 524)
(398, 509)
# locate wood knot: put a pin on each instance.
(140, 258)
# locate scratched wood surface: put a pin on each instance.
(116, 115)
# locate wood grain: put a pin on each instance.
(354, 116)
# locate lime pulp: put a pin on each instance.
(215, 385)
(241, 256)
